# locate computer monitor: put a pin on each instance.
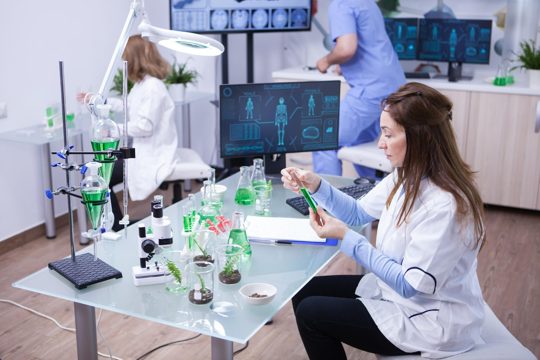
(276, 118)
(403, 33)
(234, 16)
(454, 40)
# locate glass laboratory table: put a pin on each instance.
(287, 267)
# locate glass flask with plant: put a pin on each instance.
(202, 283)
(229, 257)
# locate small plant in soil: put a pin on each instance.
(230, 275)
(205, 256)
(200, 294)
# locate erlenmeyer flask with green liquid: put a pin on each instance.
(257, 177)
(94, 194)
(105, 136)
(238, 233)
(244, 192)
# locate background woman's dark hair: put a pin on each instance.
(144, 59)
(432, 152)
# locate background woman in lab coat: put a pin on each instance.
(151, 122)
(422, 293)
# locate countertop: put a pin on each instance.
(480, 82)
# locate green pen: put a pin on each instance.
(305, 193)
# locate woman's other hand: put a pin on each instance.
(291, 177)
(327, 226)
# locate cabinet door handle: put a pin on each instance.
(537, 122)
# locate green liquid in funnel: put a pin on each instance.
(107, 162)
(94, 204)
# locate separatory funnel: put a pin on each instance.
(105, 136)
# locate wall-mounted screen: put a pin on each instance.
(454, 40)
(237, 16)
(261, 119)
(403, 34)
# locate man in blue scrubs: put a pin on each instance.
(372, 70)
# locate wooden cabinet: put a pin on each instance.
(460, 116)
(503, 148)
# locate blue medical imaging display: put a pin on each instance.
(453, 40)
(403, 33)
(262, 119)
(230, 16)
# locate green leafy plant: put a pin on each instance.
(205, 254)
(118, 86)
(228, 269)
(175, 271)
(181, 75)
(201, 281)
(529, 56)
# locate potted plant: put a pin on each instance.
(178, 79)
(530, 60)
(201, 283)
(229, 257)
(118, 83)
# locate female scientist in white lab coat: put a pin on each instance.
(151, 122)
(422, 293)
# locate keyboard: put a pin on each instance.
(417, 75)
(356, 191)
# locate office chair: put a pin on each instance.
(189, 165)
(499, 344)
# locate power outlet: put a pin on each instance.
(3, 110)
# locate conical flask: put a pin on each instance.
(105, 136)
(209, 210)
(244, 192)
(257, 177)
(238, 234)
(94, 193)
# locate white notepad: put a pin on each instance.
(278, 228)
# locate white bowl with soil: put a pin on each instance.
(258, 293)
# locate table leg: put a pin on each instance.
(85, 325)
(222, 349)
(46, 178)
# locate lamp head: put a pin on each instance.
(184, 42)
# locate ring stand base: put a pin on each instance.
(84, 270)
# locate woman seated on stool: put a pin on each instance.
(151, 123)
(422, 295)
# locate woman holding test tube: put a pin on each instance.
(422, 294)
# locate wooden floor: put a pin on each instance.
(509, 272)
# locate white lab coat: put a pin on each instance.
(151, 124)
(446, 315)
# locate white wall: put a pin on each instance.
(83, 34)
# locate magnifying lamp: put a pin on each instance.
(179, 41)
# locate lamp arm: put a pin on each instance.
(328, 42)
(135, 11)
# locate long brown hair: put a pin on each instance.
(432, 153)
(144, 59)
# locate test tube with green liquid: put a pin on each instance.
(305, 192)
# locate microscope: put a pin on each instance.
(149, 244)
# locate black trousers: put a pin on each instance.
(328, 314)
(117, 177)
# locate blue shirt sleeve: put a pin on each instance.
(341, 205)
(384, 267)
